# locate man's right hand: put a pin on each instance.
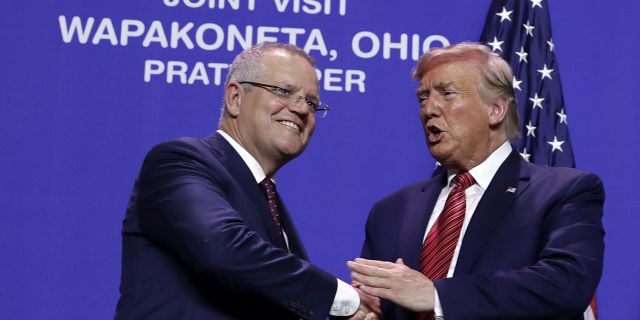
(369, 308)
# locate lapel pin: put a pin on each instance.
(511, 190)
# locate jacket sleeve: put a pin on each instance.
(182, 205)
(562, 280)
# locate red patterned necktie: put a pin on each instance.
(269, 189)
(438, 247)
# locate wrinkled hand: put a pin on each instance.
(364, 315)
(369, 308)
(395, 282)
(370, 302)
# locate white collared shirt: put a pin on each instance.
(482, 174)
(346, 300)
(248, 159)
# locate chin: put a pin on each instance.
(436, 150)
(439, 154)
(291, 150)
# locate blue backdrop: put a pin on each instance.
(87, 87)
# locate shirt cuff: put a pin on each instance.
(437, 308)
(346, 301)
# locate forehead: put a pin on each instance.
(450, 72)
(283, 67)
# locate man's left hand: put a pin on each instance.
(395, 282)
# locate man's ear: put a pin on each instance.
(232, 98)
(498, 111)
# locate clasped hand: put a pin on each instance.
(393, 281)
(369, 308)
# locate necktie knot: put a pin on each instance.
(463, 180)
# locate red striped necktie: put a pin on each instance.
(438, 247)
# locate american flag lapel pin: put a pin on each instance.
(511, 190)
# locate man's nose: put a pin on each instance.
(299, 105)
(431, 108)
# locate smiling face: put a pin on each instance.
(272, 129)
(460, 127)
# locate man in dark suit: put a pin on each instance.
(206, 235)
(492, 236)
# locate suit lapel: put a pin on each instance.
(414, 224)
(239, 172)
(295, 243)
(510, 180)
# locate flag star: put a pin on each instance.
(529, 28)
(516, 83)
(531, 130)
(537, 101)
(522, 55)
(504, 15)
(525, 155)
(545, 72)
(495, 44)
(551, 45)
(555, 144)
(563, 116)
(535, 3)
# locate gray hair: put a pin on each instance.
(247, 65)
(495, 75)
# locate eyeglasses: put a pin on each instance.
(287, 96)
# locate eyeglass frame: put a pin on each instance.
(286, 94)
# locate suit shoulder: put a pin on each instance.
(184, 144)
(404, 192)
(563, 177)
(185, 148)
(543, 172)
(183, 152)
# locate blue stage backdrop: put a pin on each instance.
(87, 87)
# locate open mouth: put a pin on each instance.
(291, 125)
(433, 133)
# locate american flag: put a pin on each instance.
(520, 31)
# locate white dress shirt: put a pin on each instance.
(483, 174)
(346, 300)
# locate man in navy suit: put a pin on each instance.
(202, 239)
(528, 242)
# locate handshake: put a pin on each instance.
(393, 281)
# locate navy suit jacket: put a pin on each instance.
(200, 243)
(532, 253)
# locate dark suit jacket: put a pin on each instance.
(535, 253)
(200, 243)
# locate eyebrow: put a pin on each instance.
(438, 86)
(444, 84)
(294, 88)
